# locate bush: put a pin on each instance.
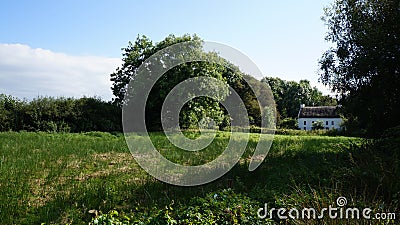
(376, 167)
(10, 113)
(307, 133)
(223, 207)
(59, 115)
(288, 123)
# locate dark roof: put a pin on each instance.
(319, 112)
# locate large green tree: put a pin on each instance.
(363, 65)
(194, 111)
(191, 114)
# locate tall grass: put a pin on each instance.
(60, 178)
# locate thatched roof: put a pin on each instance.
(319, 112)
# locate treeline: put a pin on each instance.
(93, 114)
(193, 113)
(59, 115)
(288, 96)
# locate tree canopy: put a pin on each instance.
(191, 114)
(363, 65)
(289, 95)
(58, 115)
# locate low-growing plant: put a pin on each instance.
(222, 207)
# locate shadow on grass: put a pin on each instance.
(368, 174)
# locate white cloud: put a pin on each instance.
(27, 72)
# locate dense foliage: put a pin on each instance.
(223, 207)
(364, 63)
(192, 113)
(288, 96)
(93, 114)
(58, 115)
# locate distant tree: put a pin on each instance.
(59, 115)
(363, 66)
(288, 123)
(269, 117)
(93, 114)
(248, 93)
(289, 95)
(10, 113)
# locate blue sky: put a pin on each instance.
(69, 48)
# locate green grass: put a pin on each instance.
(59, 178)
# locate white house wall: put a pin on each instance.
(333, 123)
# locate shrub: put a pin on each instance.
(318, 125)
(288, 123)
(223, 207)
(59, 115)
(375, 166)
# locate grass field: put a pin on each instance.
(71, 178)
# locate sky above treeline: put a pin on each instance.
(69, 48)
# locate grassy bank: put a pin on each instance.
(69, 178)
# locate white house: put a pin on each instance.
(327, 114)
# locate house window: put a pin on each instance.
(327, 123)
(312, 121)
(305, 128)
(327, 127)
(305, 122)
(333, 123)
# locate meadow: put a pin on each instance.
(66, 178)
